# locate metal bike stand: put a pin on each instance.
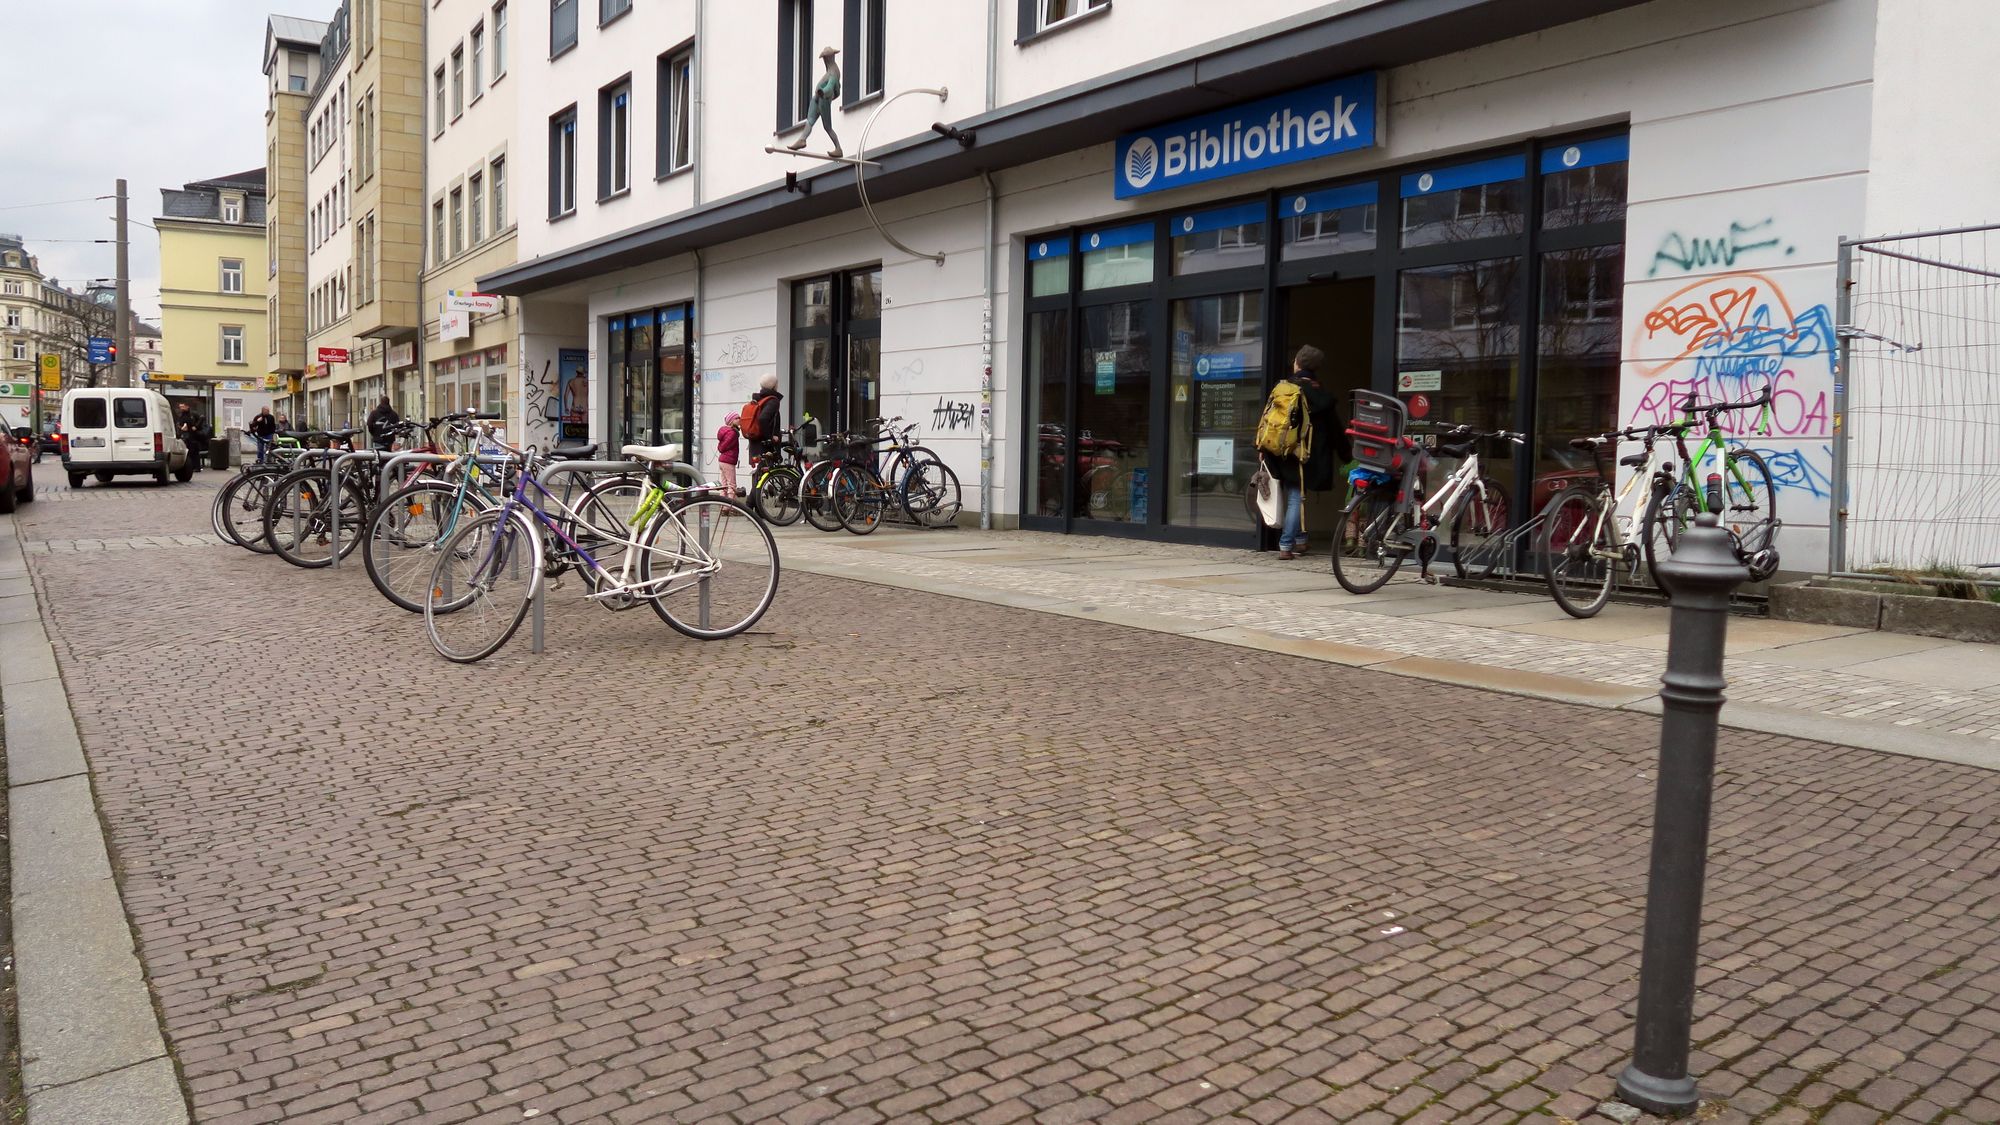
(305, 460)
(390, 466)
(333, 496)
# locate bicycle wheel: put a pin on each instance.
(1668, 512)
(298, 519)
(1751, 511)
(1574, 542)
(931, 495)
(815, 494)
(216, 507)
(1368, 552)
(482, 581)
(860, 499)
(1478, 530)
(775, 495)
(244, 500)
(400, 547)
(711, 567)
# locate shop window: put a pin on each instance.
(1047, 376)
(1464, 202)
(1048, 267)
(1119, 256)
(837, 348)
(1114, 396)
(1584, 183)
(1580, 311)
(1216, 392)
(1460, 325)
(1318, 224)
(1226, 238)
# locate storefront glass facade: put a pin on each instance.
(652, 384)
(1492, 299)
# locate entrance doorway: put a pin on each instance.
(1338, 318)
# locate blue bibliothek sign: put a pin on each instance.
(1323, 120)
(100, 349)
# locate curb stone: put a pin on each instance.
(90, 1041)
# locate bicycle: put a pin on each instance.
(1741, 494)
(1586, 538)
(914, 479)
(1378, 531)
(490, 569)
(775, 476)
(238, 508)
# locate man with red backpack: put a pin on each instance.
(762, 419)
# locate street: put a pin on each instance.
(898, 856)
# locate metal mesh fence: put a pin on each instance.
(1922, 422)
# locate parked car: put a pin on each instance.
(117, 431)
(17, 469)
(53, 439)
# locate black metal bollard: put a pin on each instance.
(1700, 576)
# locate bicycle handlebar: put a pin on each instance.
(1496, 435)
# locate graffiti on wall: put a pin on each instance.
(1801, 469)
(1682, 252)
(950, 417)
(540, 396)
(1728, 337)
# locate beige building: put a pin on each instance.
(469, 346)
(345, 129)
(213, 311)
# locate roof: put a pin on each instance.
(141, 328)
(1324, 42)
(251, 180)
(293, 29)
(202, 199)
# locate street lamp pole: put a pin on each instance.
(121, 369)
(1700, 576)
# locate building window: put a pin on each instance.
(562, 163)
(499, 39)
(232, 344)
(232, 208)
(437, 232)
(499, 193)
(13, 288)
(864, 52)
(457, 82)
(478, 59)
(562, 26)
(795, 61)
(675, 149)
(437, 103)
(837, 347)
(608, 10)
(1038, 16)
(475, 196)
(457, 221)
(232, 275)
(20, 349)
(614, 138)
(364, 20)
(13, 317)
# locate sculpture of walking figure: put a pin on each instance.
(821, 110)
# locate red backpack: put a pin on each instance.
(749, 422)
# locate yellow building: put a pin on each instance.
(212, 288)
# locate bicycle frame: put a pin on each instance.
(621, 582)
(1713, 444)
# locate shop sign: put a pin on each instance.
(1323, 120)
(1419, 381)
(1420, 406)
(162, 377)
(16, 390)
(1107, 372)
(273, 382)
(332, 355)
(403, 354)
(467, 301)
(454, 324)
(1215, 456)
(1219, 367)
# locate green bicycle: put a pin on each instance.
(1737, 488)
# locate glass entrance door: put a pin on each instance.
(1114, 402)
(1216, 382)
(837, 349)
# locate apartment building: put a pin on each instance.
(39, 316)
(470, 344)
(1097, 231)
(213, 301)
(346, 124)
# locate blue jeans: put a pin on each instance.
(263, 448)
(1292, 537)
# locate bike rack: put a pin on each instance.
(677, 468)
(333, 496)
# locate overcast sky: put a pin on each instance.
(159, 92)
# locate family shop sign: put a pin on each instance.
(1324, 120)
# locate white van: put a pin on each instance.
(114, 431)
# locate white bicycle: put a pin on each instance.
(1389, 519)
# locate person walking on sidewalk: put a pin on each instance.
(382, 423)
(263, 428)
(1297, 435)
(725, 452)
(762, 419)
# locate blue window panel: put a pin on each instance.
(1200, 221)
(1328, 199)
(1047, 248)
(668, 316)
(1586, 154)
(1118, 236)
(1456, 176)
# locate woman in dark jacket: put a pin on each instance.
(1315, 472)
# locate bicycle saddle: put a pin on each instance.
(1635, 460)
(656, 453)
(1456, 452)
(343, 435)
(574, 451)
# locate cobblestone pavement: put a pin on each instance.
(1839, 693)
(895, 856)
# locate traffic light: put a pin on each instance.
(114, 354)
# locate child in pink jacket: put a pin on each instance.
(725, 451)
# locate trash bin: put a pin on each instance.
(218, 453)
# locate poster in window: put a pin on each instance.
(573, 376)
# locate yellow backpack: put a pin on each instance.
(1285, 428)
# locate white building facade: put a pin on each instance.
(1560, 218)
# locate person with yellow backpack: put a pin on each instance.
(1298, 436)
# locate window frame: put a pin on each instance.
(558, 48)
(437, 102)
(225, 337)
(232, 200)
(866, 54)
(476, 63)
(562, 163)
(438, 255)
(458, 82)
(614, 139)
(611, 11)
(499, 42)
(795, 36)
(457, 196)
(475, 198)
(674, 120)
(224, 264)
(496, 182)
(1031, 26)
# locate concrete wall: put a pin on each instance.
(1936, 152)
